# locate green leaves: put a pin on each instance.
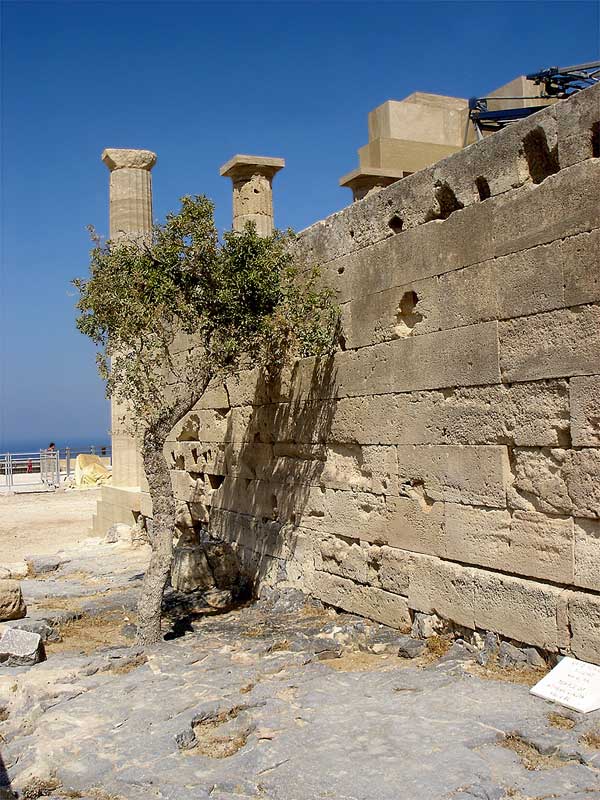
(242, 301)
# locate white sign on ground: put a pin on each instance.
(572, 683)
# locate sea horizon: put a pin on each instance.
(35, 444)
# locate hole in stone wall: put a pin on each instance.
(447, 202)
(342, 341)
(407, 316)
(256, 191)
(483, 188)
(351, 234)
(189, 432)
(215, 481)
(396, 224)
(341, 270)
(541, 161)
(596, 140)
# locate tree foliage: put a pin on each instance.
(242, 299)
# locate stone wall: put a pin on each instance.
(447, 459)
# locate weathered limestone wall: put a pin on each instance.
(447, 459)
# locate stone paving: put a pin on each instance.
(278, 700)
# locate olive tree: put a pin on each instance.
(244, 302)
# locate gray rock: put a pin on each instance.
(489, 652)
(410, 648)
(426, 625)
(219, 598)
(45, 630)
(191, 571)
(382, 640)
(534, 659)
(511, 656)
(129, 631)
(119, 532)
(43, 565)
(223, 563)
(20, 648)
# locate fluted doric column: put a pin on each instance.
(252, 178)
(130, 217)
(130, 191)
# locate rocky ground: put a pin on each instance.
(280, 699)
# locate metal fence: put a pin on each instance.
(44, 469)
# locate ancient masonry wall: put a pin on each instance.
(447, 459)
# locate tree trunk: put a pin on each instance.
(163, 527)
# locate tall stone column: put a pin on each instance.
(130, 217)
(252, 178)
(130, 191)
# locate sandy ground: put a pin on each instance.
(44, 523)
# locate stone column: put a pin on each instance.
(252, 178)
(364, 182)
(130, 217)
(130, 191)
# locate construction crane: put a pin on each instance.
(558, 83)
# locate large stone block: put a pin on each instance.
(524, 610)
(12, 605)
(585, 411)
(390, 568)
(577, 121)
(368, 601)
(584, 621)
(525, 543)
(580, 268)
(442, 588)
(541, 546)
(587, 554)
(462, 357)
(556, 481)
(555, 344)
(414, 522)
(473, 475)
(523, 414)
(348, 559)
(563, 205)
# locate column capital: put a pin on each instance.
(118, 158)
(242, 167)
(363, 181)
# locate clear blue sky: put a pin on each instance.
(197, 82)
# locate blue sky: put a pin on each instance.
(197, 82)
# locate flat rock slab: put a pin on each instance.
(20, 648)
(242, 706)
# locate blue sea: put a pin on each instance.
(77, 444)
